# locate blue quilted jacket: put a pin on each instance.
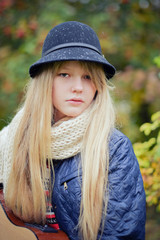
(126, 208)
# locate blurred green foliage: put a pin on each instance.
(157, 61)
(148, 154)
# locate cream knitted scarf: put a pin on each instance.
(66, 137)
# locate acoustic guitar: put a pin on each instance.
(12, 228)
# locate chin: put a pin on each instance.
(74, 114)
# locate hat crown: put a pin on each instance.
(68, 33)
(72, 41)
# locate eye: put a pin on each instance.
(64, 75)
(87, 77)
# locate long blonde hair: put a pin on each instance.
(25, 188)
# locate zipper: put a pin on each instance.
(65, 186)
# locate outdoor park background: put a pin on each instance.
(129, 32)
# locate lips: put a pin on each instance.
(75, 100)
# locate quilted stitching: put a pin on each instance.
(126, 208)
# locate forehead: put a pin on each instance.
(73, 65)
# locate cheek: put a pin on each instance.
(92, 90)
(58, 95)
(54, 96)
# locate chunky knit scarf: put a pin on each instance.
(67, 136)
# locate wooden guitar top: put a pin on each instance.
(12, 228)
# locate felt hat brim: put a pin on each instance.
(73, 54)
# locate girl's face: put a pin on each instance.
(73, 90)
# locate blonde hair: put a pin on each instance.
(25, 189)
(95, 159)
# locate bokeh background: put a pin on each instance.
(129, 32)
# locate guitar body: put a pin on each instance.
(12, 228)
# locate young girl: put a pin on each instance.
(66, 128)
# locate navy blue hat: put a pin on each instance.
(72, 41)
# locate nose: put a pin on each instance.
(77, 85)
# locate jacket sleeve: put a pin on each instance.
(126, 213)
(3, 137)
